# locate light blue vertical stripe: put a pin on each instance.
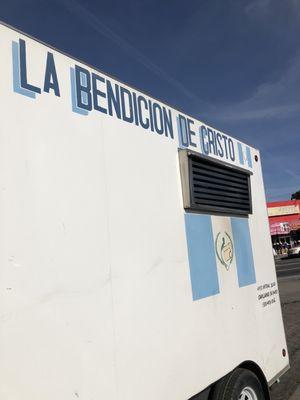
(241, 154)
(182, 134)
(16, 73)
(243, 251)
(201, 139)
(249, 159)
(202, 259)
(83, 81)
(75, 108)
(179, 133)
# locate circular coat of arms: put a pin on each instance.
(224, 249)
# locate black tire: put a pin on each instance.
(232, 385)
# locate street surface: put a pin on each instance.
(288, 273)
(288, 267)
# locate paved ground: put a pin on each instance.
(288, 267)
(288, 272)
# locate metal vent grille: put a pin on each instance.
(218, 187)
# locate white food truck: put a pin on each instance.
(136, 259)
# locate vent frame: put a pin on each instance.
(186, 158)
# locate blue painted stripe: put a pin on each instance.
(201, 138)
(248, 154)
(182, 133)
(16, 73)
(202, 259)
(84, 83)
(243, 251)
(241, 154)
(75, 107)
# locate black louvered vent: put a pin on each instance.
(215, 187)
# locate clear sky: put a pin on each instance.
(234, 64)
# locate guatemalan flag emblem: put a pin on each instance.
(220, 254)
(224, 249)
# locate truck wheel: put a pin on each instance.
(241, 384)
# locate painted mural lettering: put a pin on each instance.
(93, 92)
(213, 142)
(21, 81)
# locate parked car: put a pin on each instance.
(294, 251)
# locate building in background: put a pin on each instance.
(284, 220)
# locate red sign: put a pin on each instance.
(280, 228)
(284, 228)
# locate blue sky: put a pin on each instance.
(234, 64)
